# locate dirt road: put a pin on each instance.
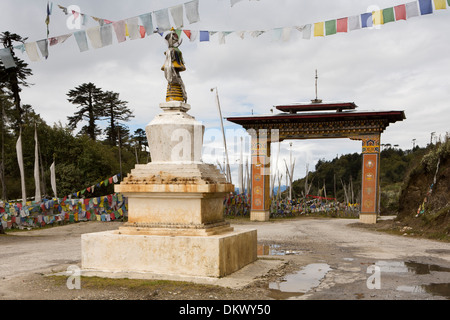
(321, 259)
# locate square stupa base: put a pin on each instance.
(168, 256)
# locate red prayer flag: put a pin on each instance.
(342, 25)
(188, 33)
(142, 31)
(400, 12)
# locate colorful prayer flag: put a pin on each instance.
(426, 7)
(366, 20)
(330, 27)
(204, 35)
(377, 17)
(388, 15)
(319, 29)
(400, 12)
(341, 25)
(439, 4)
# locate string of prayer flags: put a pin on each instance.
(160, 22)
(40, 213)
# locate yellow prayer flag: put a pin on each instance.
(377, 17)
(126, 30)
(319, 29)
(99, 218)
(439, 4)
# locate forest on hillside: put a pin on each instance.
(340, 178)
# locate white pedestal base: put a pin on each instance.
(200, 256)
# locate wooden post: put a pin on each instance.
(260, 210)
(370, 193)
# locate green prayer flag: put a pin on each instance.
(330, 27)
(448, 1)
(388, 15)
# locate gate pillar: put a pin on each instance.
(370, 188)
(260, 172)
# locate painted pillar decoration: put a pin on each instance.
(172, 67)
(370, 194)
(260, 204)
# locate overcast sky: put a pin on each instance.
(402, 65)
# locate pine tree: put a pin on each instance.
(90, 102)
(115, 110)
(13, 78)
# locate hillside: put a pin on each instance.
(424, 202)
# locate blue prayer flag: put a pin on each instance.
(204, 35)
(366, 20)
(425, 7)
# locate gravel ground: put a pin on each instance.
(320, 259)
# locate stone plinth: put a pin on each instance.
(200, 256)
(175, 211)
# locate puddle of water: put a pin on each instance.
(436, 289)
(409, 266)
(274, 250)
(299, 283)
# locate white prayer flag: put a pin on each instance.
(412, 9)
(133, 28)
(177, 16)
(192, 11)
(354, 23)
(94, 35)
(31, 49)
(286, 34)
(162, 20)
(20, 161)
(53, 178)
(37, 180)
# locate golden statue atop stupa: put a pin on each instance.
(172, 67)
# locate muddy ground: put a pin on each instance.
(320, 259)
